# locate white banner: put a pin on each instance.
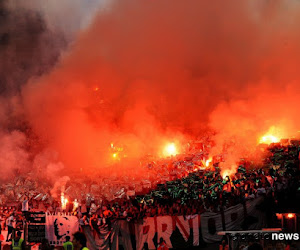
(60, 226)
(196, 226)
(145, 233)
(164, 229)
(175, 231)
(109, 238)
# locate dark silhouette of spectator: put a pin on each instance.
(255, 246)
(79, 241)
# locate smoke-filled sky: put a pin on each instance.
(141, 73)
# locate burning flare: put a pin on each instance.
(227, 172)
(272, 136)
(75, 205)
(64, 201)
(207, 162)
(170, 150)
(290, 215)
(268, 139)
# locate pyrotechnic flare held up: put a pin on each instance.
(170, 150)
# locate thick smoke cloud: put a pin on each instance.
(268, 103)
(67, 16)
(31, 43)
(12, 153)
(27, 49)
(33, 34)
(147, 72)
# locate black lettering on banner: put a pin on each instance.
(36, 233)
(37, 217)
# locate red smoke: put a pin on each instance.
(168, 69)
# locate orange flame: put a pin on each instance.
(272, 136)
(75, 204)
(207, 162)
(64, 201)
(267, 139)
(170, 149)
(290, 216)
(227, 172)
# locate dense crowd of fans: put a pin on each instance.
(185, 188)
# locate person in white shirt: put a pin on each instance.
(10, 226)
(25, 207)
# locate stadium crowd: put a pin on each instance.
(184, 189)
